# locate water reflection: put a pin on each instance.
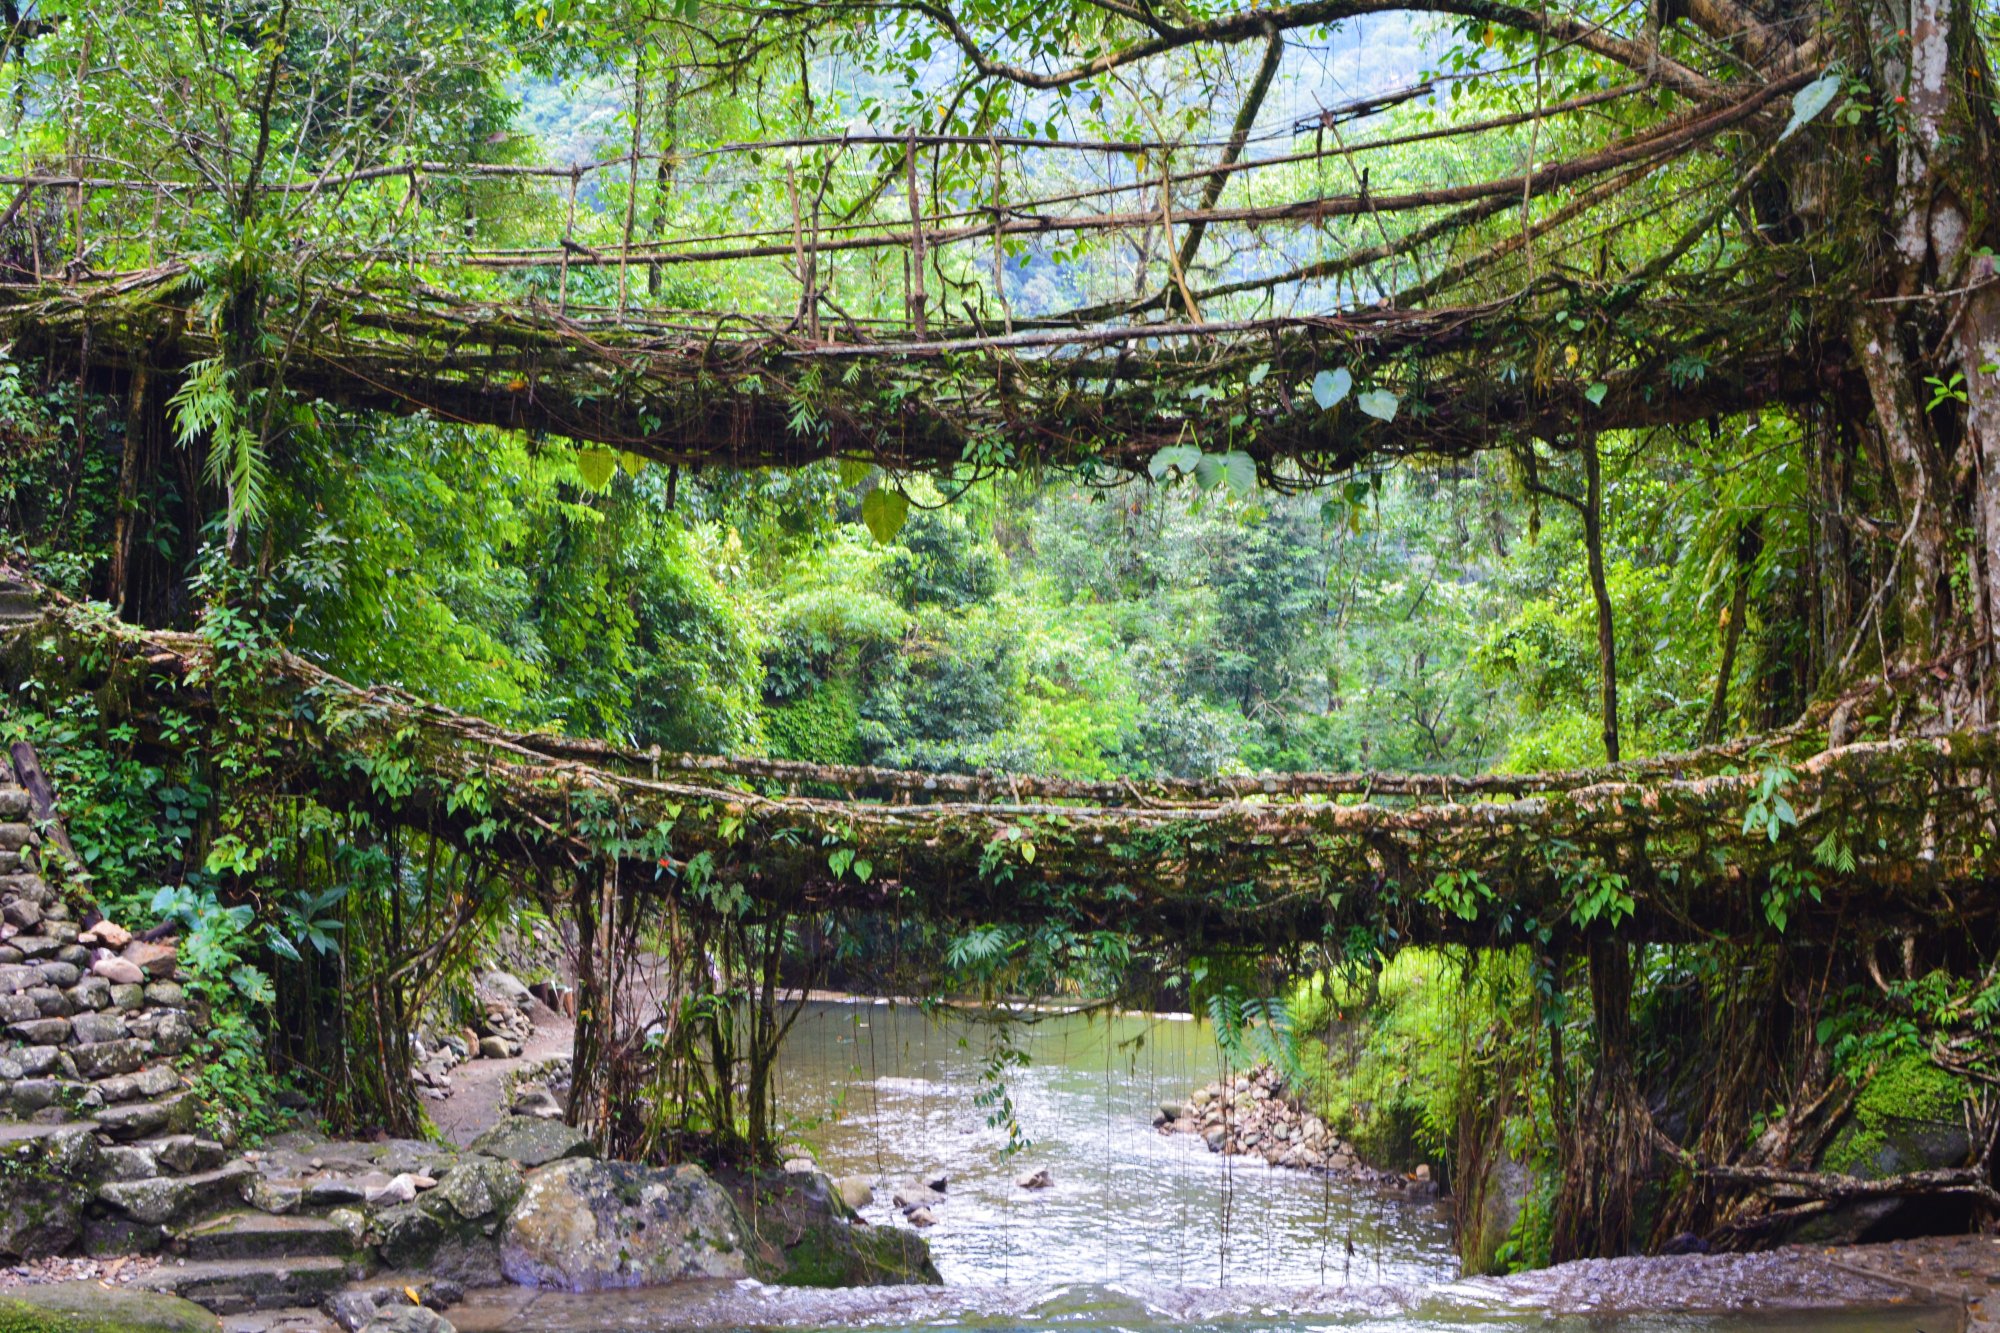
(888, 1093)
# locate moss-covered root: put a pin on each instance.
(91, 1307)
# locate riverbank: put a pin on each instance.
(1935, 1284)
(1253, 1114)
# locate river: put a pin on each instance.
(888, 1092)
(1141, 1232)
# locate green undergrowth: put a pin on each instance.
(1399, 1049)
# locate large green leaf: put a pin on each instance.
(595, 466)
(1240, 471)
(1181, 457)
(884, 510)
(1330, 386)
(1379, 403)
(1810, 100)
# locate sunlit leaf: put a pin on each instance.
(884, 510)
(1379, 403)
(595, 466)
(1240, 471)
(1330, 386)
(1810, 100)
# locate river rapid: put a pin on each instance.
(1140, 1232)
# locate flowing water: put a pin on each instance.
(890, 1093)
(1141, 1232)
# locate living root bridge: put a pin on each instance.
(663, 389)
(1887, 836)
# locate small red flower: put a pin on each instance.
(1899, 101)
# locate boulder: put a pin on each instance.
(497, 1048)
(855, 1192)
(452, 1231)
(921, 1217)
(92, 1306)
(539, 1103)
(1035, 1180)
(478, 1189)
(532, 1141)
(504, 987)
(45, 1183)
(1910, 1116)
(586, 1226)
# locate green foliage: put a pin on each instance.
(821, 725)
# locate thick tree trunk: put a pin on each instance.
(1609, 1150)
(1978, 347)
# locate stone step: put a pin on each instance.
(13, 802)
(169, 1200)
(18, 606)
(233, 1286)
(137, 1120)
(253, 1235)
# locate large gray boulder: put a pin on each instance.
(587, 1226)
(46, 1179)
(532, 1141)
(453, 1231)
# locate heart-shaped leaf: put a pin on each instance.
(884, 510)
(1258, 372)
(1181, 457)
(595, 466)
(1810, 100)
(1379, 403)
(1240, 471)
(1208, 472)
(1595, 393)
(1330, 386)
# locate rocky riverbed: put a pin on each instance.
(1254, 1114)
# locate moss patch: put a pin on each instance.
(87, 1307)
(1907, 1096)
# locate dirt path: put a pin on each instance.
(478, 1087)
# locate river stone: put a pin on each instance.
(155, 960)
(119, 972)
(532, 1141)
(855, 1192)
(408, 1319)
(93, 1306)
(586, 1226)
